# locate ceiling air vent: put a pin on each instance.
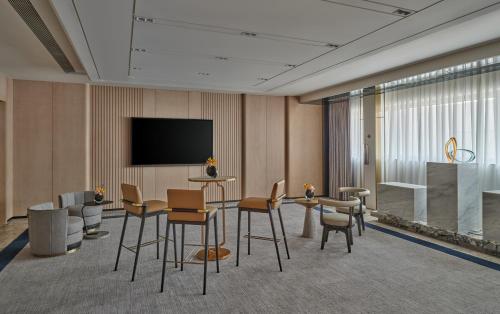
(28, 13)
(402, 12)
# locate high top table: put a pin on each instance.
(206, 181)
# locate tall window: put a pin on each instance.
(422, 112)
(356, 136)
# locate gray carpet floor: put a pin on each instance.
(383, 274)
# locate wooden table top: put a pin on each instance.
(307, 203)
(211, 179)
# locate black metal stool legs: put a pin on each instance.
(143, 218)
(175, 245)
(207, 226)
(182, 246)
(165, 250)
(238, 240)
(283, 230)
(157, 236)
(121, 240)
(274, 238)
(249, 234)
(216, 230)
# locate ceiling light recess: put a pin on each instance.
(142, 19)
(402, 12)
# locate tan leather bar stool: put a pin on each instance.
(188, 207)
(338, 221)
(360, 193)
(135, 206)
(264, 205)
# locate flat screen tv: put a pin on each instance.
(158, 141)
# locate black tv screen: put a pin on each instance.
(158, 141)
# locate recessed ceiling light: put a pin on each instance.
(290, 65)
(248, 34)
(222, 58)
(262, 79)
(402, 12)
(139, 50)
(330, 45)
(203, 73)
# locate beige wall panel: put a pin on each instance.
(255, 146)
(3, 157)
(195, 113)
(9, 150)
(111, 110)
(225, 110)
(304, 147)
(32, 144)
(69, 130)
(275, 157)
(3, 88)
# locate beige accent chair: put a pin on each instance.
(338, 221)
(264, 205)
(188, 207)
(358, 213)
(134, 205)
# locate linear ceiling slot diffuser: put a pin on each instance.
(31, 17)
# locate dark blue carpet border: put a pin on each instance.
(11, 250)
(437, 247)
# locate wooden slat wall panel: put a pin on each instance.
(225, 110)
(111, 108)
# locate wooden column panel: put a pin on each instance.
(69, 131)
(32, 144)
(304, 139)
(275, 152)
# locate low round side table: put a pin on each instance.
(99, 234)
(309, 224)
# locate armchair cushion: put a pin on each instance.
(75, 224)
(336, 219)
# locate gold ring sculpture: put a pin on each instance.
(451, 156)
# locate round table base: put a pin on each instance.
(223, 254)
(96, 235)
(309, 225)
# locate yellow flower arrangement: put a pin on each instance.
(100, 190)
(309, 186)
(211, 161)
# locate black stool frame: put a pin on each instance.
(205, 223)
(136, 249)
(269, 211)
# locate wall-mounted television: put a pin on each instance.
(161, 141)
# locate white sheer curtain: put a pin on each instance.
(356, 136)
(422, 112)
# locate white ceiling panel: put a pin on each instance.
(187, 68)
(164, 39)
(306, 19)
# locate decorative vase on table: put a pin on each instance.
(211, 167)
(309, 191)
(99, 194)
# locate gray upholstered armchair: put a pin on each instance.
(52, 231)
(73, 201)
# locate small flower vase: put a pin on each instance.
(98, 197)
(309, 194)
(212, 171)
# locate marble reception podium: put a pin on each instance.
(453, 198)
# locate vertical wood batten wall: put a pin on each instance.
(111, 109)
(225, 111)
